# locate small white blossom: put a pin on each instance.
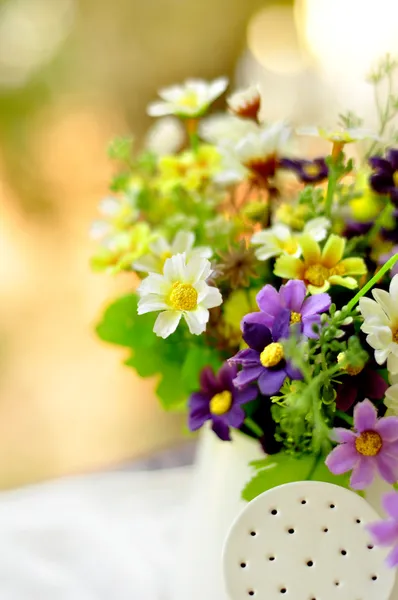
(161, 250)
(245, 103)
(191, 99)
(166, 136)
(118, 213)
(224, 129)
(381, 324)
(181, 291)
(345, 136)
(280, 239)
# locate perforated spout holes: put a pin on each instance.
(305, 541)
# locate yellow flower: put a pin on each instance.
(188, 169)
(368, 205)
(321, 269)
(120, 251)
(292, 215)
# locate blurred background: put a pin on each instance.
(74, 74)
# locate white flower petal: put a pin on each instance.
(371, 310)
(196, 269)
(183, 242)
(151, 303)
(196, 320)
(201, 252)
(160, 245)
(212, 298)
(386, 302)
(160, 109)
(392, 363)
(317, 228)
(175, 268)
(391, 398)
(147, 264)
(167, 323)
(394, 288)
(153, 284)
(382, 355)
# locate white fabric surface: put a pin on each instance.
(96, 537)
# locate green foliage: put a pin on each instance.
(121, 149)
(178, 360)
(281, 468)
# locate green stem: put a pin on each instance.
(332, 181)
(254, 428)
(373, 232)
(194, 140)
(347, 418)
(368, 286)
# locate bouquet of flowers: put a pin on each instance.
(266, 286)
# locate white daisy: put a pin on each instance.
(118, 213)
(391, 396)
(381, 324)
(224, 129)
(344, 136)
(190, 100)
(161, 250)
(181, 291)
(245, 103)
(280, 239)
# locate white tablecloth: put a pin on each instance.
(96, 537)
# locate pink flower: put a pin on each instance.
(372, 447)
(385, 533)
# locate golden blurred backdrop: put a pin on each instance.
(74, 74)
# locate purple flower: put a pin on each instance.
(372, 447)
(264, 360)
(308, 171)
(385, 533)
(305, 312)
(385, 177)
(219, 401)
(357, 385)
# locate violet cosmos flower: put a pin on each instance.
(264, 360)
(372, 447)
(308, 171)
(385, 533)
(305, 312)
(219, 401)
(385, 177)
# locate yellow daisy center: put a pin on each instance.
(221, 403)
(316, 275)
(295, 317)
(339, 269)
(349, 369)
(189, 100)
(183, 296)
(369, 443)
(272, 355)
(395, 178)
(311, 170)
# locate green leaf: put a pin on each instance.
(197, 358)
(121, 148)
(122, 325)
(281, 468)
(120, 182)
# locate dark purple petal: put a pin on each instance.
(365, 416)
(346, 393)
(342, 459)
(316, 304)
(394, 196)
(382, 183)
(226, 375)
(235, 416)
(280, 328)
(390, 505)
(268, 300)
(208, 381)
(308, 324)
(363, 473)
(247, 376)
(256, 336)
(293, 294)
(221, 429)
(388, 466)
(198, 410)
(373, 384)
(246, 395)
(246, 358)
(392, 156)
(292, 371)
(270, 381)
(384, 533)
(258, 318)
(381, 164)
